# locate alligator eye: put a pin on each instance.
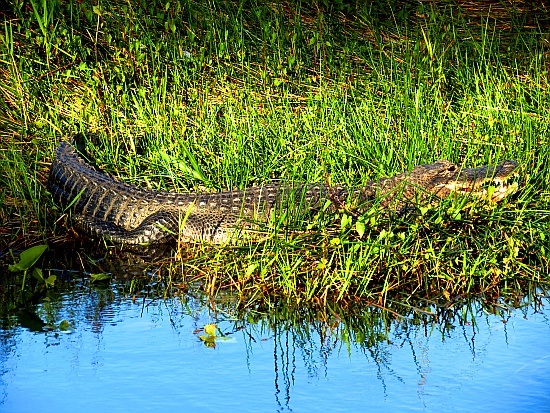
(451, 168)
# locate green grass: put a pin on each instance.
(192, 95)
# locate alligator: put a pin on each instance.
(104, 206)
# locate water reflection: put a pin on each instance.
(414, 350)
(131, 348)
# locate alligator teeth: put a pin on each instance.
(494, 189)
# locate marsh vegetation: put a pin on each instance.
(208, 96)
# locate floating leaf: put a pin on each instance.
(210, 329)
(209, 341)
(65, 326)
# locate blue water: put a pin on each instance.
(123, 356)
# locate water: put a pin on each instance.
(146, 355)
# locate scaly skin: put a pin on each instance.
(107, 207)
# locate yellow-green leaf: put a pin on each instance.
(210, 329)
(99, 277)
(360, 228)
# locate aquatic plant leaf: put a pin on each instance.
(210, 329)
(28, 258)
(50, 281)
(209, 341)
(99, 277)
(37, 273)
(64, 325)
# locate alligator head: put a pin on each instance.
(444, 178)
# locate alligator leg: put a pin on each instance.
(159, 227)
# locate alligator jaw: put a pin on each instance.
(488, 182)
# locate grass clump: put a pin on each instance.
(197, 96)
